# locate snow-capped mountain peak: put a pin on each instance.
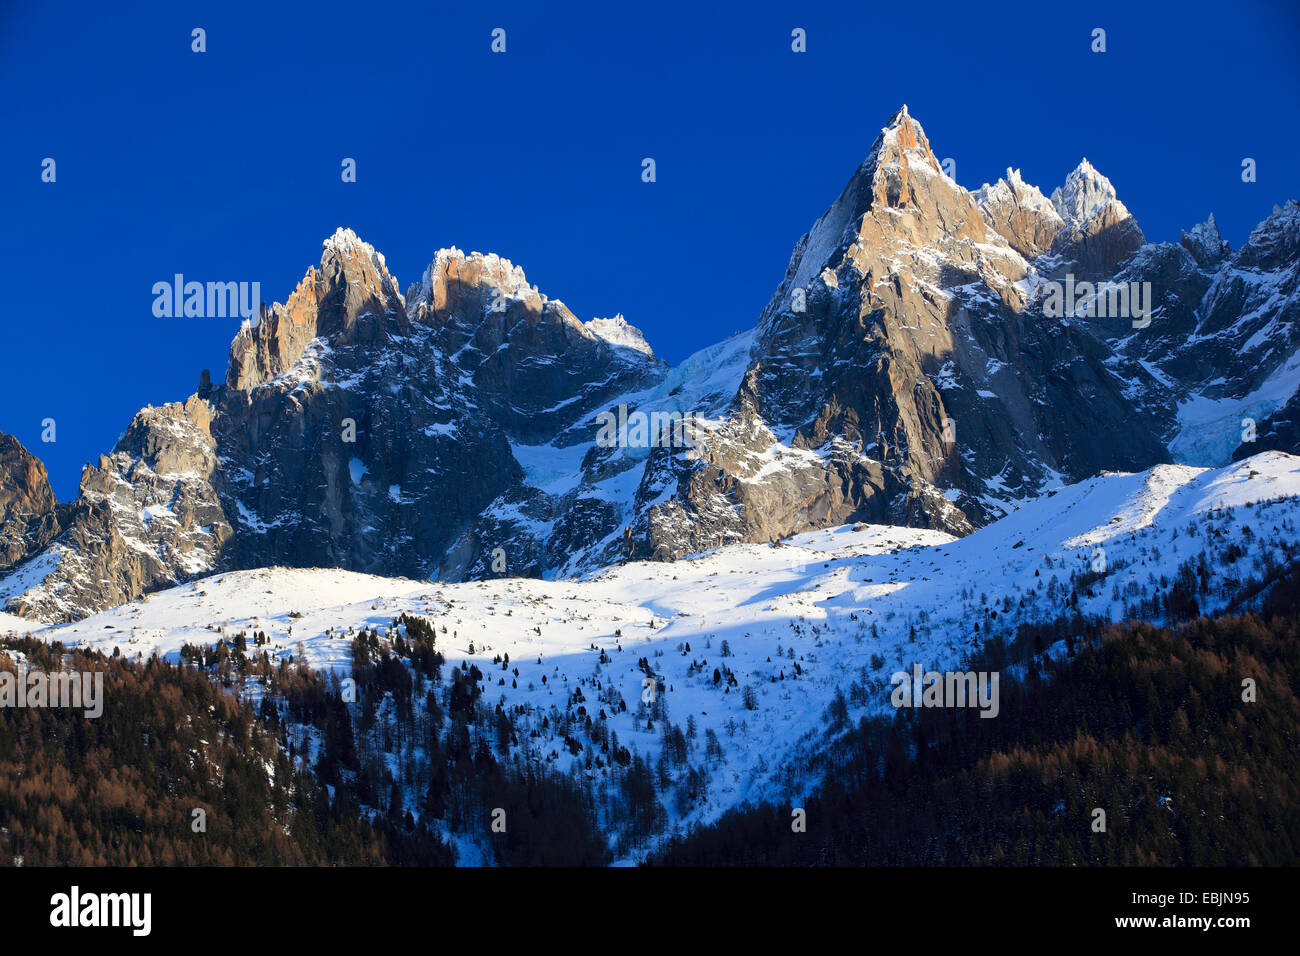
(345, 242)
(1276, 240)
(476, 267)
(1013, 188)
(1087, 198)
(618, 331)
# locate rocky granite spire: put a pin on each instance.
(1205, 244)
(1020, 214)
(29, 517)
(350, 297)
(1099, 231)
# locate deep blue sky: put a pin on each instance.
(225, 165)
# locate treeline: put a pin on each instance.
(428, 749)
(415, 750)
(1144, 723)
(123, 789)
(289, 767)
(1147, 724)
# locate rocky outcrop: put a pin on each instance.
(1205, 244)
(403, 413)
(1020, 214)
(358, 446)
(29, 518)
(1223, 346)
(1098, 231)
(146, 517)
(350, 299)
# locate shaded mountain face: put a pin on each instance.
(915, 366)
(1219, 364)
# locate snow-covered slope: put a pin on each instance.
(10, 624)
(837, 609)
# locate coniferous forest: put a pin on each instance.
(1147, 724)
(290, 781)
(1152, 726)
(124, 789)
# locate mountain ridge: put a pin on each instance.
(906, 371)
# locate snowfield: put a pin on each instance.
(9, 624)
(837, 609)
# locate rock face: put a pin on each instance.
(1098, 232)
(1218, 366)
(1205, 244)
(1020, 214)
(375, 420)
(401, 411)
(899, 374)
(145, 518)
(907, 370)
(29, 517)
